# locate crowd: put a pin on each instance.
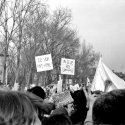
(31, 107)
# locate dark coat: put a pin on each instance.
(59, 111)
(80, 103)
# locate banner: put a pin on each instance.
(44, 63)
(67, 66)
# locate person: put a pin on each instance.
(80, 106)
(108, 85)
(64, 105)
(58, 119)
(17, 109)
(40, 104)
(88, 120)
(48, 106)
(66, 109)
(69, 108)
(109, 108)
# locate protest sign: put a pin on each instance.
(67, 66)
(44, 63)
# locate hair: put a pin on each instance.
(37, 90)
(107, 83)
(15, 108)
(59, 119)
(59, 111)
(109, 108)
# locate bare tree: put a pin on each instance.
(59, 40)
(44, 34)
(85, 60)
(12, 21)
(6, 32)
(24, 8)
(2, 5)
(34, 32)
(32, 39)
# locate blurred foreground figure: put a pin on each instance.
(109, 108)
(81, 106)
(46, 107)
(16, 108)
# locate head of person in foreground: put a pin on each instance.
(17, 109)
(109, 108)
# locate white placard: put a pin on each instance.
(67, 66)
(44, 63)
(16, 87)
(59, 86)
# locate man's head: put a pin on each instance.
(109, 108)
(70, 108)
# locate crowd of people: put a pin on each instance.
(32, 107)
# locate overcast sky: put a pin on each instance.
(102, 24)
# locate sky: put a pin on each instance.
(100, 23)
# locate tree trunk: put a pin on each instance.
(4, 69)
(18, 62)
(29, 78)
(48, 78)
(18, 53)
(5, 54)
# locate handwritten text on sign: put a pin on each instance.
(44, 63)
(67, 66)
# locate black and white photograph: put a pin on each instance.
(62, 62)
